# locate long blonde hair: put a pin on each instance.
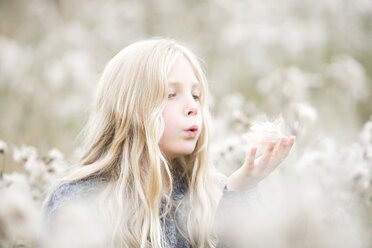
(122, 145)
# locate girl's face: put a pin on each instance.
(182, 113)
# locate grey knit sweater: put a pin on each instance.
(68, 192)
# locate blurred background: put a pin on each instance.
(271, 54)
(276, 67)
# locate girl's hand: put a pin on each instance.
(254, 170)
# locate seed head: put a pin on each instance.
(3, 147)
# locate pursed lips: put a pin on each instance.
(193, 128)
(192, 131)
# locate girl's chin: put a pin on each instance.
(180, 153)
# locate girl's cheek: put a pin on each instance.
(168, 116)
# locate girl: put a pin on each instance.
(145, 159)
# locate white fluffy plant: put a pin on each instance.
(366, 139)
(262, 131)
(229, 153)
(22, 193)
(3, 151)
(19, 214)
(301, 117)
(312, 203)
(41, 172)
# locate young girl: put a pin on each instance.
(145, 159)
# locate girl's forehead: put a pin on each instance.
(192, 84)
(182, 70)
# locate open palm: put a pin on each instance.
(255, 169)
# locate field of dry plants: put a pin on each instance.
(274, 68)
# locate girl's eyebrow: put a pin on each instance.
(194, 84)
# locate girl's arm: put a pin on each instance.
(240, 200)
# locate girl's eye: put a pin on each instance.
(196, 97)
(170, 95)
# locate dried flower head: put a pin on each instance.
(301, 116)
(18, 223)
(24, 153)
(3, 147)
(55, 154)
(366, 138)
(15, 181)
(263, 131)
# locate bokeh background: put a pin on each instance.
(306, 65)
(272, 53)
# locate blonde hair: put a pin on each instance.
(122, 145)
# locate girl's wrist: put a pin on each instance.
(249, 188)
(232, 186)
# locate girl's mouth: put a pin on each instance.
(192, 131)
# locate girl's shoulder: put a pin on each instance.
(70, 191)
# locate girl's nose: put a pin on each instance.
(192, 111)
(191, 108)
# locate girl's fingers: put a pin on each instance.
(249, 162)
(282, 151)
(291, 141)
(264, 160)
(279, 150)
(278, 153)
